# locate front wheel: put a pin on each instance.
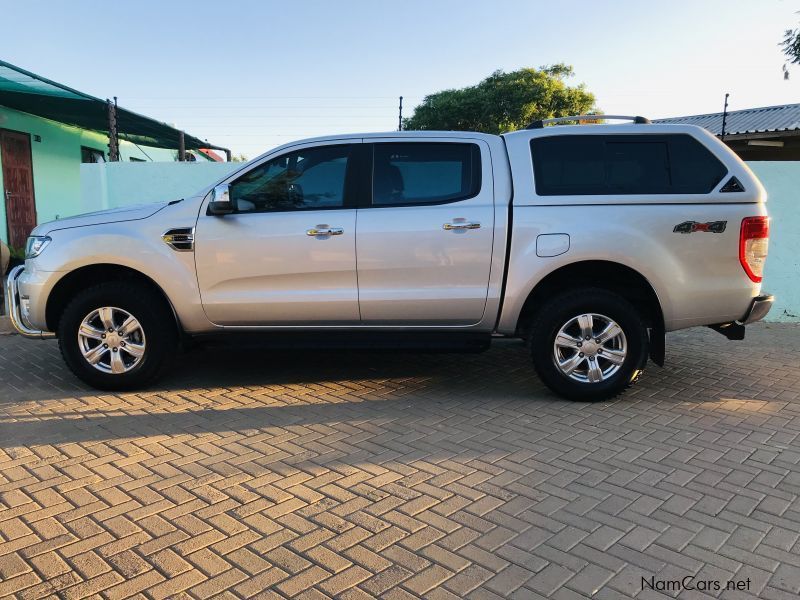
(117, 336)
(588, 344)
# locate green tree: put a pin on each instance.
(504, 102)
(791, 48)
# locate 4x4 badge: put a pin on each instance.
(692, 226)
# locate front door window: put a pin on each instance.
(311, 179)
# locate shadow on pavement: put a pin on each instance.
(226, 389)
(221, 389)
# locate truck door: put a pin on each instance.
(287, 255)
(425, 235)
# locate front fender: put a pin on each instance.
(138, 247)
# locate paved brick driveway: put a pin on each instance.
(358, 475)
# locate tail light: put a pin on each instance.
(753, 242)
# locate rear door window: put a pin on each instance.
(576, 165)
(417, 173)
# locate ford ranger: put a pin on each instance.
(588, 241)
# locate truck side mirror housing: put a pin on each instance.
(220, 201)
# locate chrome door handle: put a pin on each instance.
(314, 231)
(460, 225)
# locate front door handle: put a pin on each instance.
(461, 225)
(315, 231)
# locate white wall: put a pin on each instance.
(782, 273)
(110, 185)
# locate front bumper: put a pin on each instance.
(15, 310)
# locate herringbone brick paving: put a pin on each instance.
(357, 475)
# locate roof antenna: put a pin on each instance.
(724, 117)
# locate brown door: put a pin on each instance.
(15, 155)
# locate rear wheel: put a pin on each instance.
(117, 336)
(588, 344)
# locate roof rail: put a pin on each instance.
(542, 122)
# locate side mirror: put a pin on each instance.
(220, 201)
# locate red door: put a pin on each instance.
(15, 154)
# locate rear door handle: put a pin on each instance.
(461, 225)
(314, 231)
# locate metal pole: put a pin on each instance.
(181, 147)
(724, 118)
(113, 140)
(400, 116)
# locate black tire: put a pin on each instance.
(559, 311)
(155, 318)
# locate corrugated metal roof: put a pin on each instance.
(785, 117)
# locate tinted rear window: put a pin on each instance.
(575, 165)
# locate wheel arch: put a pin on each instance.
(609, 275)
(89, 275)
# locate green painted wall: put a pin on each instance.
(57, 160)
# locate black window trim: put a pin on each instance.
(634, 137)
(351, 178)
(369, 166)
(91, 149)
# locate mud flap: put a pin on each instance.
(657, 345)
(732, 331)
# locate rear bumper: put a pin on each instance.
(759, 308)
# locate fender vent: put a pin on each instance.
(733, 185)
(180, 239)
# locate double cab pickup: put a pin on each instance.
(590, 242)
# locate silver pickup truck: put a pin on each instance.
(588, 241)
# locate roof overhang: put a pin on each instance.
(766, 145)
(30, 93)
(761, 135)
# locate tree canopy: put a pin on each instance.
(504, 102)
(791, 48)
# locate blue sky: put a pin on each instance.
(252, 75)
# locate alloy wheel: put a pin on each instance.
(590, 348)
(111, 340)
